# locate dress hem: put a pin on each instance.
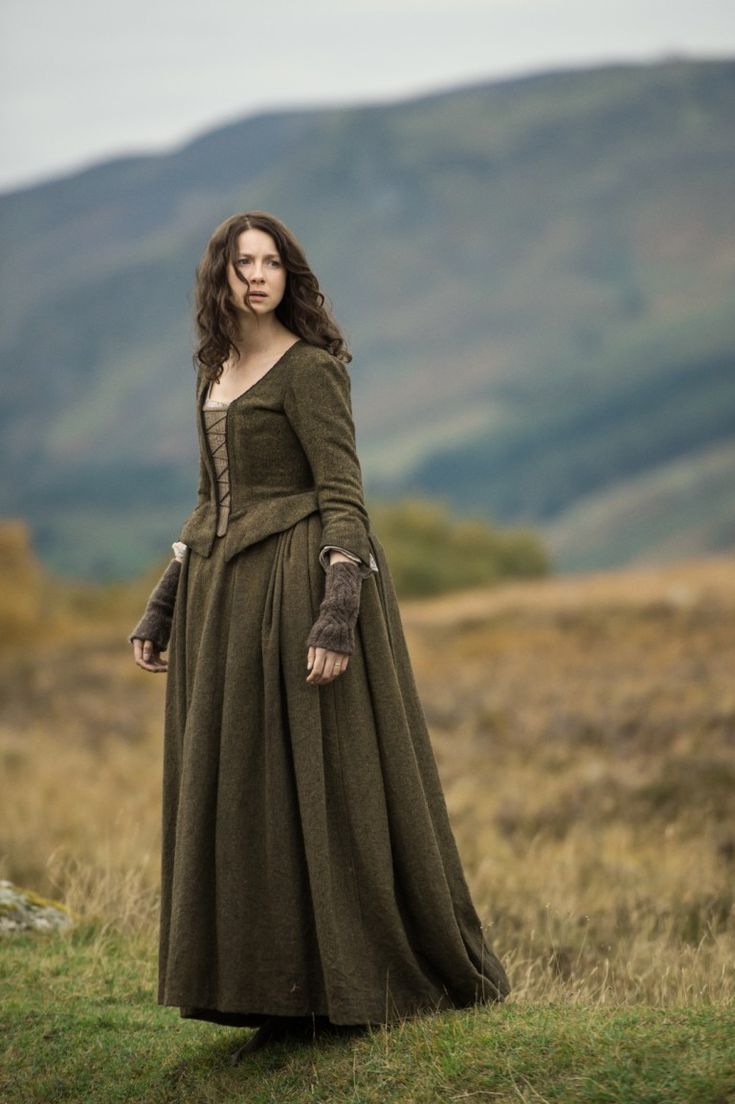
(233, 1018)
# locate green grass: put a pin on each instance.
(80, 1023)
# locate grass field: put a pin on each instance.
(584, 728)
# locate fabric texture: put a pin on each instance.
(291, 451)
(155, 623)
(308, 863)
(215, 411)
(335, 625)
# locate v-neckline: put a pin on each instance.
(208, 386)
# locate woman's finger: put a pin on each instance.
(147, 656)
(317, 666)
(344, 663)
(325, 665)
(335, 665)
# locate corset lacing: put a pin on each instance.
(215, 424)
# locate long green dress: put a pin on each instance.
(308, 862)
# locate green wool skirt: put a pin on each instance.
(308, 864)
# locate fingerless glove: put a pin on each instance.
(155, 624)
(335, 627)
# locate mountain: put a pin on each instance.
(536, 277)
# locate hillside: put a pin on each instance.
(536, 275)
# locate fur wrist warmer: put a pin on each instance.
(155, 624)
(335, 627)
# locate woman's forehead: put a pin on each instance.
(256, 241)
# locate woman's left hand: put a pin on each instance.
(324, 665)
(331, 639)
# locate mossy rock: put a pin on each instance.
(23, 910)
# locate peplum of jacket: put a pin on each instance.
(290, 441)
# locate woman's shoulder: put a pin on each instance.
(316, 354)
(314, 362)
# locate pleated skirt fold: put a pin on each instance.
(308, 864)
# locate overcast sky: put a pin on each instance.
(83, 80)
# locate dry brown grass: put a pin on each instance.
(584, 728)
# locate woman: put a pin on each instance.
(309, 876)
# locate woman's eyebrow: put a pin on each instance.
(250, 255)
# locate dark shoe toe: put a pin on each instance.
(273, 1030)
(260, 1038)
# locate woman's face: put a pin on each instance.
(259, 262)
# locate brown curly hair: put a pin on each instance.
(301, 309)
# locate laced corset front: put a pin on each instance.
(215, 424)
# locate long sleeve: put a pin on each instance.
(155, 624)
(318, 406)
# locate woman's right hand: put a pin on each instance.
(147, 655)
(151, 635)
